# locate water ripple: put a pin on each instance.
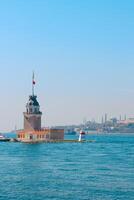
(103, 170)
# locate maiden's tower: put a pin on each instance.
(32, 131)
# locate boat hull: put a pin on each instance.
(5, 140)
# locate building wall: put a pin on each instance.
(43, 135)
(32, 136)
(56, 134)
(32, 121)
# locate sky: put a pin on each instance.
(82, 53)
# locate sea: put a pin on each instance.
(100, 170)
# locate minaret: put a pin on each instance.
(102, 120)
(32, 116)
(105, 117)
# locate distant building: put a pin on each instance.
(127, 121)
(114, 120)
(32, 131)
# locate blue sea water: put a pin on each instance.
(102, 170)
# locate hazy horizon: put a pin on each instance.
(82, 55)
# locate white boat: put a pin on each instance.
(3, 138)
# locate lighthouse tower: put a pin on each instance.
(32, 131)
(32, 116)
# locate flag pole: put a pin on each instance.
(33, 84)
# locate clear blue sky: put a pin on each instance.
(81, 51)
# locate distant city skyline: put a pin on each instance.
(82, 55)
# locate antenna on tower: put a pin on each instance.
(33, 84)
